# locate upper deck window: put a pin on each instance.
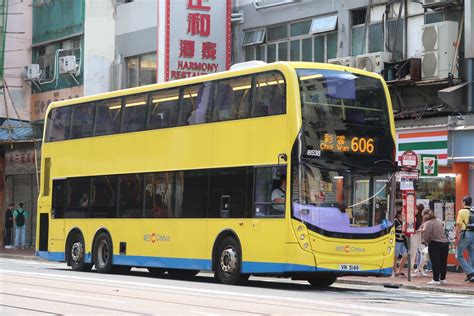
(256, 95)
(59, 124)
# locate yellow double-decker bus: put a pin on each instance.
(281, 169)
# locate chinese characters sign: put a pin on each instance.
(342, 143)
(20, 159)
(198, 38)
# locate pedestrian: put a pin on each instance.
(415, 240)
(434, 236)
(9, 225)
(400, 246)
(464, 240)
(20, 216)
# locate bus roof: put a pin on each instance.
(282, 66)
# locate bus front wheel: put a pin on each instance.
(76, 252)
(103, 253)
(322, 281)
(228, 262)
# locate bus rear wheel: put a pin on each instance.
(322, 281)
(76, 253)
(228, 262)
(103, 253)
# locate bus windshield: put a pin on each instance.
(339, 201)
(344, 154)
(345, 121)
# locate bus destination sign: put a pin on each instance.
(345, 144)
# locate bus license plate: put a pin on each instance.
(350, 267)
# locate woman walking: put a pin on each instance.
(434, 237)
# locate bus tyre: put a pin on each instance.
(103, 253)
(76, 253)
(322, 281)
(182, 273)
(228, 262)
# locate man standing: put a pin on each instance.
(465, 238)
(20, 216)
(9, 225)
(400, 246)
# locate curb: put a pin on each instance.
(410, 287)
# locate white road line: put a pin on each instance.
(73, 295)
(203, 313)
(231, 294)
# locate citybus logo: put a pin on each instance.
(348, 249)
(155, 237)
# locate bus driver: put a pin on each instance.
(278, 196)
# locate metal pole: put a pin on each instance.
(409, 258)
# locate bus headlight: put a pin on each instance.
(302, 237)
(300, 228)
(391, 240)
(389, 249)
(305, 246)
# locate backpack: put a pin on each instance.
(20, 219)
(470, 224)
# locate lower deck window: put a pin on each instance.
(240, 192)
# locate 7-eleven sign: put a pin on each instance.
(429, 165)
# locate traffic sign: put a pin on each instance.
(409, 159)
(429, 165)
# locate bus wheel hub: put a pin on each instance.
(229, 260)
(77, 251)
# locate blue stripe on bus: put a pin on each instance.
(161, 262)
(52, 256)
(205, 264)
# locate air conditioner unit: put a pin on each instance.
(438, 40)
(32, 72)
(373, 62)
(67, 64)
(437, 3)
(343, 61)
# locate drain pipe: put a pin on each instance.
(469, 52)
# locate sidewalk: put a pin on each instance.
(455, 283)
(455, 280)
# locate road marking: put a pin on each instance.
(73, 295)
(232, 294)
(203, 313)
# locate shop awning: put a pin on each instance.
(433, 141)
(16, 131)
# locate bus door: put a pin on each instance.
(266, 232)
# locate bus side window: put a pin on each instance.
(164, 109)
(269, 95)
(228, 193)
(224, 107)
(187, 105)
(201, 103)
(78, 194)
(195, 193)
(268, 185)
(135, 113)
(82, 120)
(103, 199)
(131, 195)
(108, 117)
(58, 124)
(58, 198)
